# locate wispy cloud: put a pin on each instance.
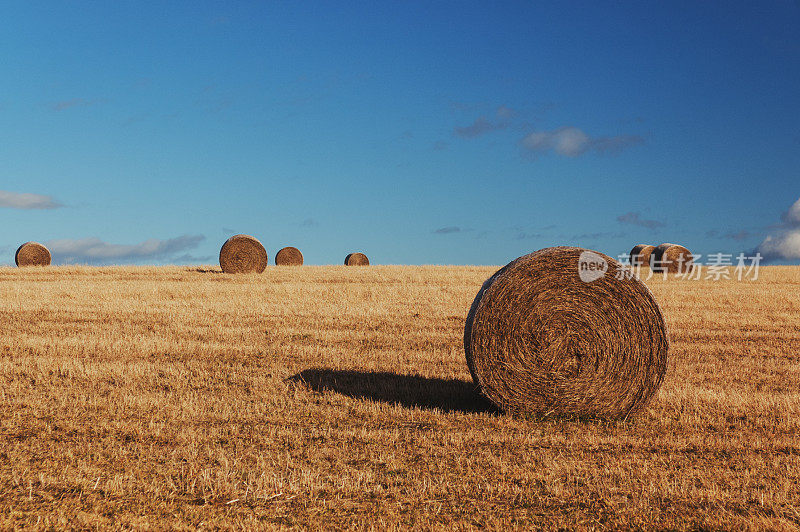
(528, 236)
(635, 218)
(483, 125)
(309, 222)
(26, 200)
(530, 232)
(784, 242)
(479, 127)
(75, 102)
(96, 251)
(573, 142)
(740, 235)
(597, 236)
(448, 230)
(440, 145)
(506, 113)
(615, 144)
(744, 234)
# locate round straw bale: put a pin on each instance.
(32, 254)
(671, 258)
(289, 256)
(568, 332)
(640, 255)
(356, 259)
(242, 254)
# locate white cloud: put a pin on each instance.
(17, 200)
(572, 142)
(784, 243)
(792, 216)
(96, 251)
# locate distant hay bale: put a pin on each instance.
(242, 254)
(356, 259)
(545, 336)
(289, 256)
(672, 258)
(32, 254)
(640, 255)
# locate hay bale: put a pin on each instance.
(541, 341)
(242, 254)
(289, 256)
(671, 258)
(640, 255)
(32, 254)
(356, 259)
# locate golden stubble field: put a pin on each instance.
(339, 397)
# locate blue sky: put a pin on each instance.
(418, 133)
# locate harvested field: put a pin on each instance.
(330, 396)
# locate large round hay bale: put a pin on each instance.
(242, 254)
(356, 259)
(289, 256)
(671, 258)
(640, 255)
(559, 333)
(32, 254)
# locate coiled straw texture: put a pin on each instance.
(672, 258)
(242, 254)
(541, 341)
(32, 254)
(289, 256)
(640, 255)
(356, 259)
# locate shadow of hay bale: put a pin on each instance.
(205, 270)
(410, 391)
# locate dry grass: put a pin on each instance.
(339, 397)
